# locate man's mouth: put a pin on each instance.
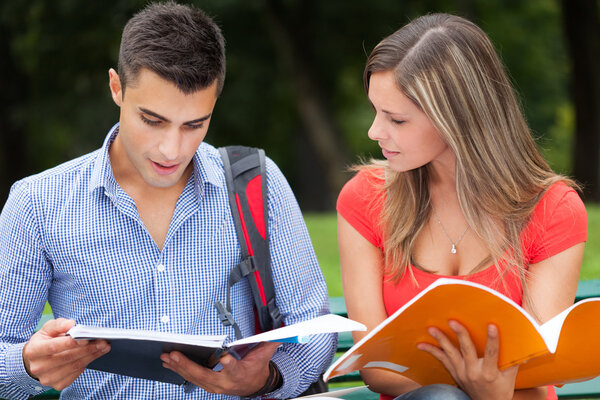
(164, 169)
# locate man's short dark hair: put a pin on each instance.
(179, 43)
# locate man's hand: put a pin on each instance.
(238, 378)
(479, 377)
(56, 359)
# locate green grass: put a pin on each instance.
(323, 232)
(591, 258)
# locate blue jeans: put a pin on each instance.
(438, 392)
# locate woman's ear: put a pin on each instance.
(114, 82)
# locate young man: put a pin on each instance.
(138, 234)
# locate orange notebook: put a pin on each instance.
(562, 350)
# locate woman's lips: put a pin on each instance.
(389, 154)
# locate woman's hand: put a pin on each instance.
(480, 378)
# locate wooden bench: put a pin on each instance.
(581, 390)
(588, 389)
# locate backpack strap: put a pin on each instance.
(245, 175)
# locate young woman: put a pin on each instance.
(463, 193)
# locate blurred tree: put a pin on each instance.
(55, 57)
(320, 125)
(581, 20)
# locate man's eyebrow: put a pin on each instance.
(195, 121)
(155, 115)
(192, 122)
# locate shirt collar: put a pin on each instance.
(102, 174)
(208, 165)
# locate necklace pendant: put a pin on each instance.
(453, 251)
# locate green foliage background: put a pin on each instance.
(56, 56)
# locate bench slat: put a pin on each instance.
(587, 389)
(587, 289)
(337, 305)
(344, 341)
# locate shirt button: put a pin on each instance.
(37, 388)
(160, 267)
(165, 319)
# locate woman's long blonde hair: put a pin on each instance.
(447, 66)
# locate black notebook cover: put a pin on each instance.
(141, 359)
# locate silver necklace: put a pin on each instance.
(454, 244)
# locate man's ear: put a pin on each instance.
(114, 82)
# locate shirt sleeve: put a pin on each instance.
(24, 279)
(559, 222)
(300, 289)
(360, 203)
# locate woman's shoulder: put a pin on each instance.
(360, 203)
(559, 197)
(364, 186)
(558, 222)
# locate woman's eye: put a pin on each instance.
(397, 121)
(151, 122)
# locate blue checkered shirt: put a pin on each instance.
(72, 236)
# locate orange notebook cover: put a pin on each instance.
(561, 350)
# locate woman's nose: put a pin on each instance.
(376, 131)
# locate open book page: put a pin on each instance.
(297, 333)
(301, 332)
(577, 354)
(392, 345)
(92, 332)
(551, 329)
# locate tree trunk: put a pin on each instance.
(320, 128)
(581, 22)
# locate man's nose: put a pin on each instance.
(169, 144)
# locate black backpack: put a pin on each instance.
(246, 179)
(247, 189)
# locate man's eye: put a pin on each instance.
(194, 126)
(150, 122)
